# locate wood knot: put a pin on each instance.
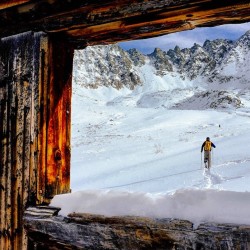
(58, 155)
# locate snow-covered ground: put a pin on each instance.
(124, 147)
(138, 153)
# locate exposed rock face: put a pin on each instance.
(161, 62)
(84, 231)
(234, 61)
(137, 57)
(105, 66)
(212, 99)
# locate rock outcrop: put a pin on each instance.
(85, 231)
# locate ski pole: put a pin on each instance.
(201, 160)
(212, 155)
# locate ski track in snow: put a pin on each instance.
(152, 179)
(210, 178)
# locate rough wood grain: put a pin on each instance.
(4, 4)
(98, 22)
(35, 111)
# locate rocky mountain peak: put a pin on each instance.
(107, 65)
(218, 48)
(244, 41)
(196, 47)
(137, 57)
(158, 52)
(177, 49)
(161, 61)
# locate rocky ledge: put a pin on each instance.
(47, 230)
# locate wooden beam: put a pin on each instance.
(4, 4)
(163, 22)
(96, 22)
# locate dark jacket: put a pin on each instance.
(203, 145)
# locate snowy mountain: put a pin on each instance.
(210, 70)
(235, 65)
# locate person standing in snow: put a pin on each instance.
(207, 145)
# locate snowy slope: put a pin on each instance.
(133, 148)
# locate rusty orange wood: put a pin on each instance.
(59, 119)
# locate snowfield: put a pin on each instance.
(125, 147)
(137, 152)
(128, 160)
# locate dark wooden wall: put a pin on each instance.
(35, 109)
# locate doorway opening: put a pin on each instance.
(142, 109)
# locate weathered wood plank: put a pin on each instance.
(59, 123)
(3, 171)
(95, 22)
(35, 96)
(42, 119)
(4, 4)
(15, 99)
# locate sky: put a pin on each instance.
(186, 39)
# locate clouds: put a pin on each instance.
(187, 38)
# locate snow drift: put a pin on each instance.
(188, 204)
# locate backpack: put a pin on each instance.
(207, 146)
